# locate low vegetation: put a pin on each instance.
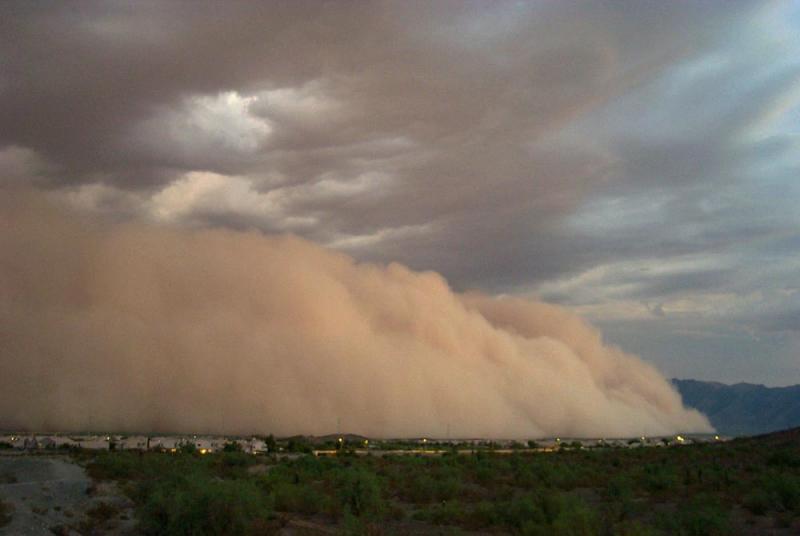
(5, 513)
(732, 488)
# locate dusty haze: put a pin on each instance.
(145, 328)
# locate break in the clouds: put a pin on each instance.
(634, 161)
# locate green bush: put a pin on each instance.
(702, 516)
(619, 494)
(302, 498)
(115, 466)
(199, 505)
(422, 487)
(359, 492)
(231, 464)
(659, 478)
(576, 519)
(538, 513)
(524, 511)
(784, 491)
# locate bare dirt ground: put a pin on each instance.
(53, 495)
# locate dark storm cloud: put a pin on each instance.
(470, 71)
(589, 151)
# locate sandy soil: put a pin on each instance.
(51, 495)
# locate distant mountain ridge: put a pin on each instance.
(743, 408)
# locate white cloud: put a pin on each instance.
(99, 197)
(214, 128)
(212, 193)
(307, 103)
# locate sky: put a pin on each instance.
(635, 162)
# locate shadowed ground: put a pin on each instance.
(45, 493)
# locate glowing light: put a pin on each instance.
(203, 451)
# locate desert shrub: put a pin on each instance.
(231, 464)
(702, 516)
(358, 526)
(484, 474)
(757, 501)
(620, 487)
(784, 457)
(483, 514)
(200, 505)
(619, 495)
(524, 511)
(5, 513)
(445, 513)
(545, 473)
(115, 466)
(537, 513)
(783, 490)
(359, 492)
(421, 487)
(575, 519)
(418, 488)
(524, 477)
(302, 498)
(659, 478)
(635, 528)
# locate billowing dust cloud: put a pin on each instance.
(133, 327)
